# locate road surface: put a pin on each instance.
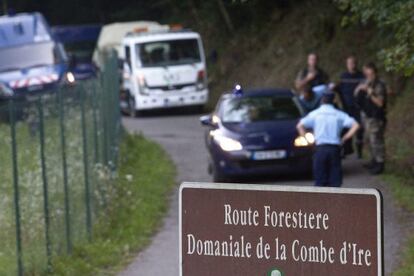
(182, 137)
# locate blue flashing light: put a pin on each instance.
(238, 90)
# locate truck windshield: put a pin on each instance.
(30, 55)
(259, 109)
(171, 52)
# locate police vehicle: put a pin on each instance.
(79, 42)
(164, 67)
(32, 60)
(253, 132)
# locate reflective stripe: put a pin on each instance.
(45, 79)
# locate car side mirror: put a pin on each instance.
(207, 120)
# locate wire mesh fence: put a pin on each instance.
(58, 157)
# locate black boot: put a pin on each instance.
(359, 150)
(378, 168)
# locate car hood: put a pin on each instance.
(265, 135)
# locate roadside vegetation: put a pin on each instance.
(139, 202)
(400, 172)
(31, 190)
(127, 207)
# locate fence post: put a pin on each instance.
(65, 173)
(104, 114)
(95, 124)
(86, 166)
(45, 183)
(16, 188)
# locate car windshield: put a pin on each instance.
(81, 51)
(30, 55)
(259, 109)
(171, 52)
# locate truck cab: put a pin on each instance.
(163, 68)
(32, 61)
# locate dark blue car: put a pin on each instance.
(80, 42)
(253, 133)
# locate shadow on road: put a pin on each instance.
(277, 179)
(351, 168)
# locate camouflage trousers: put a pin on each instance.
(374, 130)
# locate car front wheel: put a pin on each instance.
(219, 177)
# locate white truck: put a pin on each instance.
(163, 67)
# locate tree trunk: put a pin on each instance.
(226, 16)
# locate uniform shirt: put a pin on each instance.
(327, 123)
(368, 107)
(312, 104)
(349, 81)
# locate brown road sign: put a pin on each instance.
(252, 230)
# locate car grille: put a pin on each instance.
(171, 87)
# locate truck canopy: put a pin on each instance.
(23, 28)
(112, 35)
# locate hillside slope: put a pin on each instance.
(271, 54)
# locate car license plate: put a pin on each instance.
(270, 154)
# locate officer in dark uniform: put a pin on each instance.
(349, 80)
(312, 75)
(327, 124)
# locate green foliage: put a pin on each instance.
(394, 17)
(407, 267)
(145, 178)
(403, 191)
(400, 147)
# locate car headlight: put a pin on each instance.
(226, 143)
(70, 78)
(215, 119)
(142, 85)
(5, 90)
(305, 141)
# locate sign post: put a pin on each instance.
(243, 229)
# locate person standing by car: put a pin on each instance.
(349, 80)
(309, 99)
(327, 123)
(372, 98)
(311, 76)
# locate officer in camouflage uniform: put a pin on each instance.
(371, 96)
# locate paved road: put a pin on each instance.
(182, 138)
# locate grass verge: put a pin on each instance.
(403, 192)
(146, 175)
